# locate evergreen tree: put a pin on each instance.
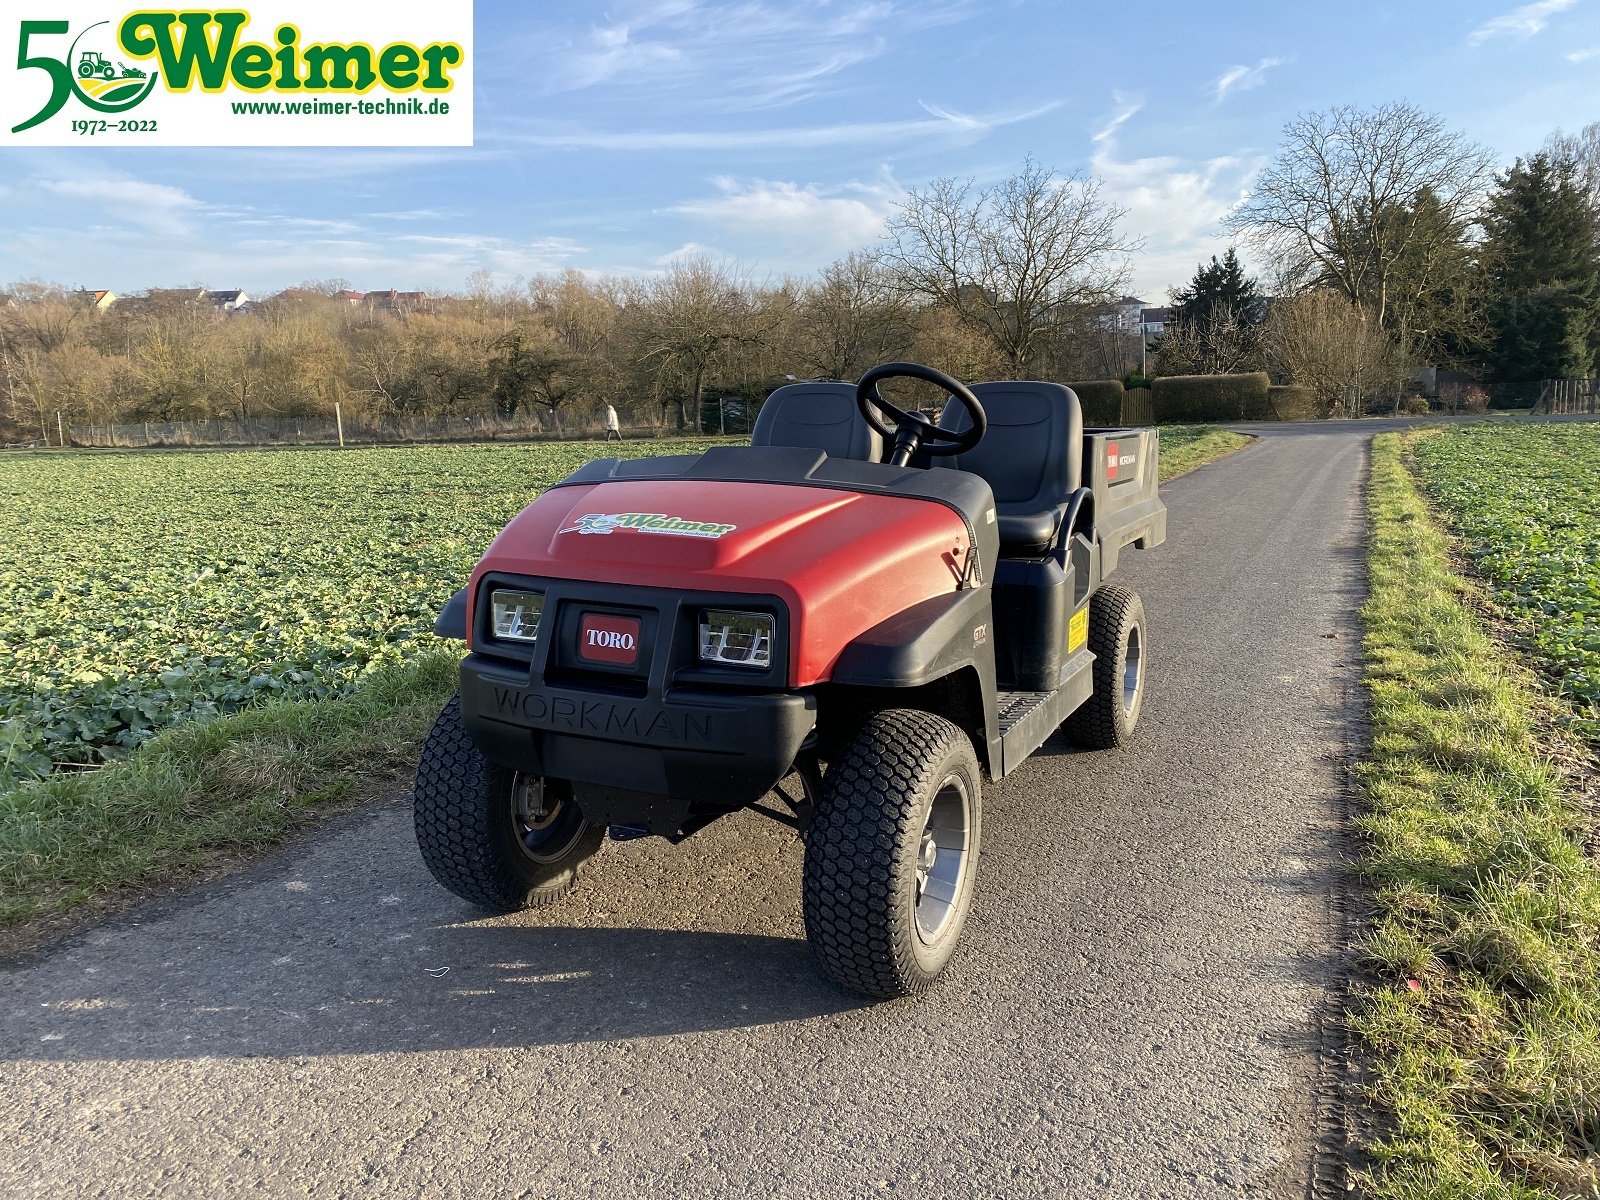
(1541, 267)
(1222, 288)
(1216, 322)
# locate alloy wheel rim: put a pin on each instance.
(1132, 670)
(944, 853)
(544, 826)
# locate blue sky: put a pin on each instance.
(779, 134)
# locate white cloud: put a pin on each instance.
(1242, 79)
(940, 122)
(1126, 109)
(157, 207)
(762, 52)
(797, 223)
(688, 250)
(1175, 205)
(450, 259)
(1583, 56)
(1521, 23)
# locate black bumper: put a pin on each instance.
(651, 760)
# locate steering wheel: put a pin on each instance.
(912, 432)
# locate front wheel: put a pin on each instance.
(892, 853)
(1109, 716)
(497, 838)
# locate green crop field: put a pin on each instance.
(1525, 499)
(138, 591)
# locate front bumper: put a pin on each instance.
(646, 760)
(663, 742)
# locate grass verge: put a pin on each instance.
(200, 795)
(1186, 448)
(1484, 1016)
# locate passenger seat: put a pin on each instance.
(817, 415)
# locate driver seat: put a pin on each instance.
(817, 415)
(1031, 458)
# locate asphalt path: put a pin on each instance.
(1137, 1009)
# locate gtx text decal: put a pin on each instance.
(648, 523)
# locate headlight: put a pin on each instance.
(515, 615)
(740, 639)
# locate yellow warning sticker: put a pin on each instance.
(1078, 630)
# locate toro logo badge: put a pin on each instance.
(334, 73)
(607, 523)
(1116, 460)
(607, 639)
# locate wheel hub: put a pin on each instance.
(544, 824)
(943, 859)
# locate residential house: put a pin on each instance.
(99, 301)
(398, 301)
(1156, 320)
(227, 302)
(1125, 315)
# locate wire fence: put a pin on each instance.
(330, 431)
(1568, 397)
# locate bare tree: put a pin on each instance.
(1323, 341)
(1015, 262)
(1582, 149)
(851, 318)
(687, 322)
(1338, 205)
(1217, 342)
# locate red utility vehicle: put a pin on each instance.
(864, 613)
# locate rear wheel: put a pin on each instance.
(497, 838)
(1117, 638)
(892, 852)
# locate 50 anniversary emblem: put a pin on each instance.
(366, 73)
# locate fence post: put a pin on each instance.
(338, 416)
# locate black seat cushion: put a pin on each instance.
(817, 416)
(1031, 457)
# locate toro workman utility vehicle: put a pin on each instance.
(864, 613)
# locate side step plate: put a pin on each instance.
(1027, 719)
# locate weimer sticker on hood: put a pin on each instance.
(649, 523)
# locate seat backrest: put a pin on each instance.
(817, 416)
(1032, 454)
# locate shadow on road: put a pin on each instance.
(506, 985)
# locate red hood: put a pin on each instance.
(841, 561)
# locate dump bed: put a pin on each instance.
(1122, 468)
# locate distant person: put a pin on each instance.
(613, 426)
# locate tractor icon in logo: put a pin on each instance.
(94, 63)
(596, 523)
(104, 84)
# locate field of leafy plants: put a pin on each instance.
(141, 590)
(1526, 501)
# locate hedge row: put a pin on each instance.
(1196, 398)
(1200, 398)
(1293, 403)
(1101, 400)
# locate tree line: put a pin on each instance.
(1392, 243)
(1387, 240)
